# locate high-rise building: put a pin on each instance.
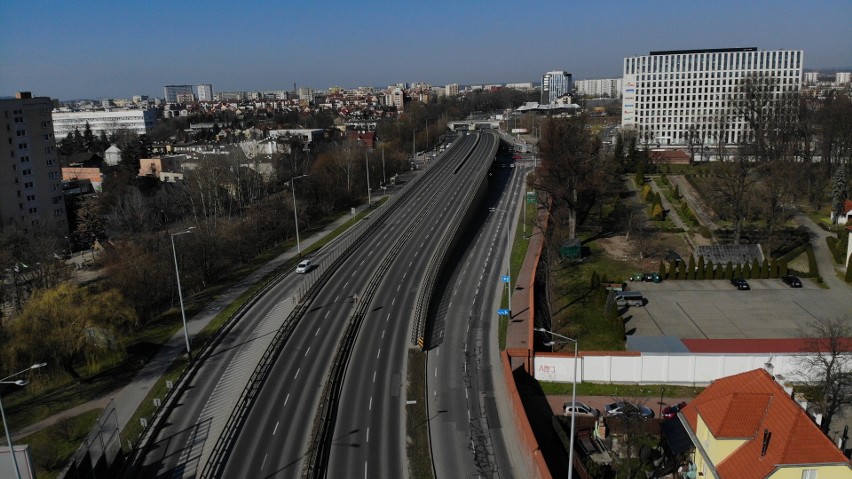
(452, 89)
(810, 77)
(204, 92)
(555, 84)
(170, 92)
(670, 96)
(842, 78)
(31, 196)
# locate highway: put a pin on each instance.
(464, 380)
(370, 429)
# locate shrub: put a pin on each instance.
(676, 192)
(700, 273)
(646, 193)
(812, 263)
(672, 271)
(662, 270)
(773, 268)
(729, 271)
(690, 271)
(657, 211)
(764, 269)
(782, 268)
(755, 269)
(711, 270)
(595, 281)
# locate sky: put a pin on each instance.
(116, 49)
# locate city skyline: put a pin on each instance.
(113, 50)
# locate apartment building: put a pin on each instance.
(554, 85)
(138, 121)
(204, 92)
(604, 87)
(171, 92)
(31, 196)
(670, 95)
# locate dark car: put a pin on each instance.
(619, 408)
(670, 412)
(740, 283)
(791, 281)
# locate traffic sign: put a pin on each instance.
(531, 197)
(503, 312)
(504, 278)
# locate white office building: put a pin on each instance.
(138, 121)
(604, 87)
(842, 78)
(205, 92)
(555, 84)
(667, 94)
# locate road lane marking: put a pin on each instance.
(388, 318)
(326, 314)
(383, 334)
(374, 376)
(347, 283)
(297, 373)
(307, 351)
(398, 286)
(436, 372)
(379, 353)
(362, 262)
(368, 434)
(410, 263)
(276, 427)
(365, 469)
(286, 399)
(318, 330)
(263, 463)
(370, 407)
(393, 301)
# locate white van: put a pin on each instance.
(629, 298)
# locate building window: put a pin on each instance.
(30, 197)
(33, 210)
(809, 474)
(22, 146)
(26, 172)
(28, 184)
(25, 159)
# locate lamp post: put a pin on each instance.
(384, 180)
(573, 394)
(19, 382)
(367, 161)
(296, 214)
(180, 292)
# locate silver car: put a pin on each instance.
(580, 408)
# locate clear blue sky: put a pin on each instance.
(116, 49)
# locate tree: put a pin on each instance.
(827, 366)
(838, 192)
(68, 323)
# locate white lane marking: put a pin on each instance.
(410, 263)
(297, 373)
(307, 351)
(378, 353)
(388, 318)
(436, 372)
(374, 376)
(365, 469)
(263, 463)
(370, 253)
(276, 427)
(383, 334)
(336, 298)
(368, 434)
(318, 330)
(347, 284)
(286, 399)
(404, 275)
(362, 262)
(399, 286)
(326, 314)
(370, 407)
(393, 301)
(353, 273)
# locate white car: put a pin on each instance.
(304, 267)
(580, 408)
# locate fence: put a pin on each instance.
(649, 368)
(96, 456)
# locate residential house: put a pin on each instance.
(747, 426)
(845, 216)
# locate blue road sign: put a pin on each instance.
(504, 278)
(503, 312)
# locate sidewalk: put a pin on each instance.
(828, 269)
(130, 397)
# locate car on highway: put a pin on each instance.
(792, 281)
(304, 266)
(740, 283)
(670, 412)
(580, 409)
(624, 408)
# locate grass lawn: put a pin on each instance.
(416, 419)
(621, 390)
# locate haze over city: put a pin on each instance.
(114, 49)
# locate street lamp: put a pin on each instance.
(19, 382)
(180, 292)
(573, 394)
(295, 214)
(367, 163)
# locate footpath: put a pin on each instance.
(130, 397)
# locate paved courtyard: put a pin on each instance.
(715, 310)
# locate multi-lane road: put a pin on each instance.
(275, 438)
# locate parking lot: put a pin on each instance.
(716, 310)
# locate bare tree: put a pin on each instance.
(828, 365)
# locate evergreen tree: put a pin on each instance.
(89, 141)
(710, 270)
(662, 270)
(764, 269)
(773, 268)
(700, 273)
(690, 272)
(783, 271)
(729, 271)
(755, 269)
(838, 191)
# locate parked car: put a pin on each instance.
(304, 266)
(619, 408)
(670, 412)
(580, 408)
(516, 156)
(740, 283)
(792, 281)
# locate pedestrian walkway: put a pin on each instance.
(828, 269)
(129, 398)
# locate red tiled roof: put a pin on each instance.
(847, 206)
(778, 345)
(744, 406)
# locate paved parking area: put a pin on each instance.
(715, 310)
